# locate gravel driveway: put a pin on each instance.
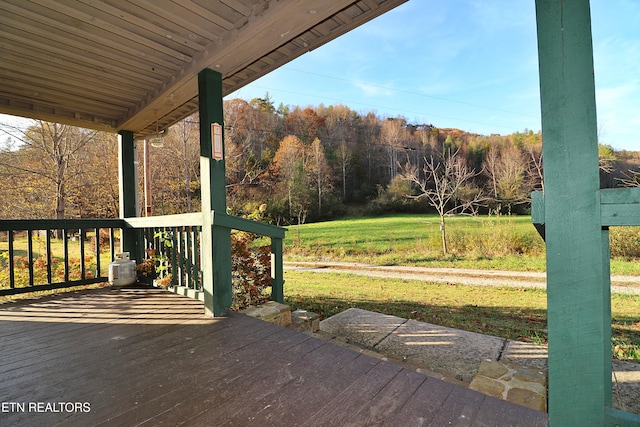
(464, 276)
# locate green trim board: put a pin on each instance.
(177, 220)
(238, 223)
(618, 207)
(59, 224)
(52, 286)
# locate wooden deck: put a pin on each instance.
(148, 357)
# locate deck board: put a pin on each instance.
(148, 357)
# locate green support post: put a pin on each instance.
(578, 288)
(127, 187)
(277, 271)
(216, 241)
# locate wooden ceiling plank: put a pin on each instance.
(70, 103)
(57, 93)
(54, 115)
(83, 32)
(193, 27)
(136, 22)
(172, 13)
(117, 35)
(101, 68)
(82, 40)
(115, 82)
(209, 15)
(239, 6)
(43, 76)
(274, 24)
(50, 37)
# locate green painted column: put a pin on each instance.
(127, 188)
(577, 271)
(277, 270)
(216, 241)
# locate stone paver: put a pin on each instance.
(361, 326)
(525, 354)
(271, 311)
(441, 349)
(626, 386)
(305, 320)
(512, 382)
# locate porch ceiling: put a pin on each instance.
(113, 65)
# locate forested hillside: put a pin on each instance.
(304, 164)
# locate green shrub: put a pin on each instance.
(625, 242)
(490, 239)
(251, 271)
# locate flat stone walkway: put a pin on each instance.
(512, 370)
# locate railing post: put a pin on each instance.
(127, 186)
(577, 271)
(277, 271)
(216, 241)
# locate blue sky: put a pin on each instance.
(469, 64)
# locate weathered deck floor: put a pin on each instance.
(147, 357)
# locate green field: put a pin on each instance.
(485, 242)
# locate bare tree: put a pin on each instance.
(535, 165)
(445, 181)
(506, 169)
(630, 178)
(490, 167)
(344, 155)
(319, 170)
(393, 135)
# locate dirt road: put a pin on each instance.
(517, 279)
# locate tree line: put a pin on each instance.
(296, 164)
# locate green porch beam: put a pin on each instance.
(578, 288)
(216, 241)
(618, 207)
(127, 188)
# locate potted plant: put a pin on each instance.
(146, 270)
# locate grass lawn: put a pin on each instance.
(518, 314)
(486, 242)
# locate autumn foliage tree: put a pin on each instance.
(53, 161)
